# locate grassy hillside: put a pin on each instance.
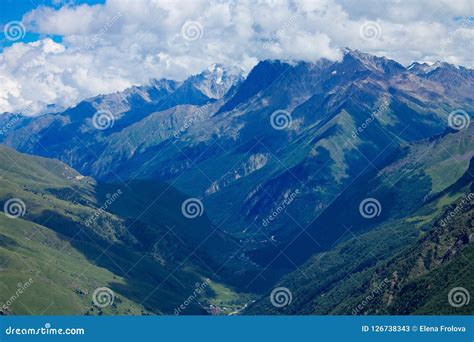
(63, 280)
(378, 265)
(76, 235)
(422, 276)
(407, 263)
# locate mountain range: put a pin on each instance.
(281, 160)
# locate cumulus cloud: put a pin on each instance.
(109, 47)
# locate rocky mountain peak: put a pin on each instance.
(216, 80)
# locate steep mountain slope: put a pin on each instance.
(410, 260)
(420, 172)
(274, 157)
(51, 272)
(78, 235)
(79, 135)
(212, 137)
(424, 276)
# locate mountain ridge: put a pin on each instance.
(338, 124)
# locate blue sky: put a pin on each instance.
(69, 51)
(13, 10)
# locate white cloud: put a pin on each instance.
(106, 48)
